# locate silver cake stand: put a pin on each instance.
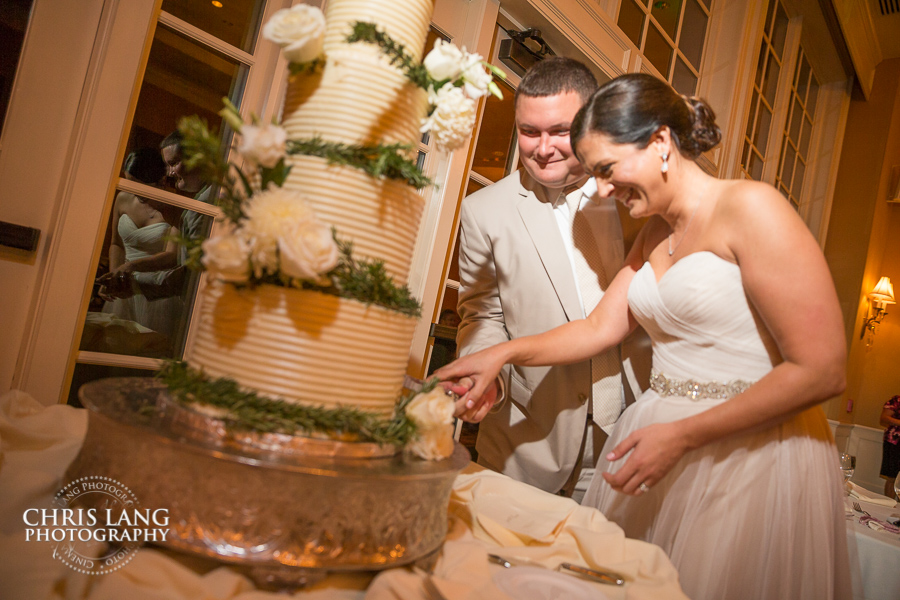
(290, 509)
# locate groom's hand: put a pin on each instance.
(476, 413)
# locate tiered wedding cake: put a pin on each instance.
(306, 321)
(353, 116)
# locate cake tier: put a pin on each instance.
(406, 22)
(360, 99)
(303, 346)
(380, 217)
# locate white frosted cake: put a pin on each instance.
(308, 345)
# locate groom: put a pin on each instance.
(519, 252)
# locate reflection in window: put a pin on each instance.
(631, 21)
(143, 293)
(235, 22)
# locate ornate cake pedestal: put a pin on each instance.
(290, 509)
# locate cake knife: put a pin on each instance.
(607, 577)
(415, 385)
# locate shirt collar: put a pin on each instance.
(586, 187)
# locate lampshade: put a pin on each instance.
(883, 292)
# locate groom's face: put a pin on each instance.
(542, 126)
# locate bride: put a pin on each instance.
(727, 462)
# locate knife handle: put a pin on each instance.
(600, 576)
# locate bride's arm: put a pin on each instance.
(788, 282)
(574, 341)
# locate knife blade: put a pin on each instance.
(415, 385)
(606, 577)
(412, 384)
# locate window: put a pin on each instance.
(764, 91)
(797, 132)
(671, 36)
(785, 91)
(200, 53)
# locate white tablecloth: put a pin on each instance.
(489, 513)
(875, 553)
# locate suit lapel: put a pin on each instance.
(540, 222)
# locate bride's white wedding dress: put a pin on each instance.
(163, 315)
(756, 516)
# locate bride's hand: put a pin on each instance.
(655, 449)
(474, 375)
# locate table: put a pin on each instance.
(488, 513)
(874, 555)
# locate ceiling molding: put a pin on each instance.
(861, 39)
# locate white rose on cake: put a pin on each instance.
(299, 31)
(264, 146)
(432, 408)
(432, 412)
(444, 62)
(268, 216)
(226, 257)
(308, 251)
(452, 119)
(433, 443)
(476, 79)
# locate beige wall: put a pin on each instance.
(864, 244)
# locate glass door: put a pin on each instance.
(144, 294)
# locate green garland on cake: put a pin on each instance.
(388, 161)
(334, 270)
(248, 411)
(394, 51)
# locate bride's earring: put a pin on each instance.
(664, 167)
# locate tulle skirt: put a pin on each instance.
(756, 516)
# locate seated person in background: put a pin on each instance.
(890, 456)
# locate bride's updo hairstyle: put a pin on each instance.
(632, 107)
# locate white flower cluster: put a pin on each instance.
(300, 31)
(432, 413)
(465, 79)
(452, 118)
(280, 234)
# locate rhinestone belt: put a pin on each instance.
(696, 390)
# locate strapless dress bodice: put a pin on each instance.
(700, 321)
(143, 241)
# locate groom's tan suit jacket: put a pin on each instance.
(515, 280)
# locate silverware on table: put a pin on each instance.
(859, 509)
(607, 577)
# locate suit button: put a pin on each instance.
(582, 397)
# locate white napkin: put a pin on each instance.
(867, 496)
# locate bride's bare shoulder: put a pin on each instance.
(743, 199)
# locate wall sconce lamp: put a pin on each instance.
(880, 297)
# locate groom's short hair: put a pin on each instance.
(557, 75)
